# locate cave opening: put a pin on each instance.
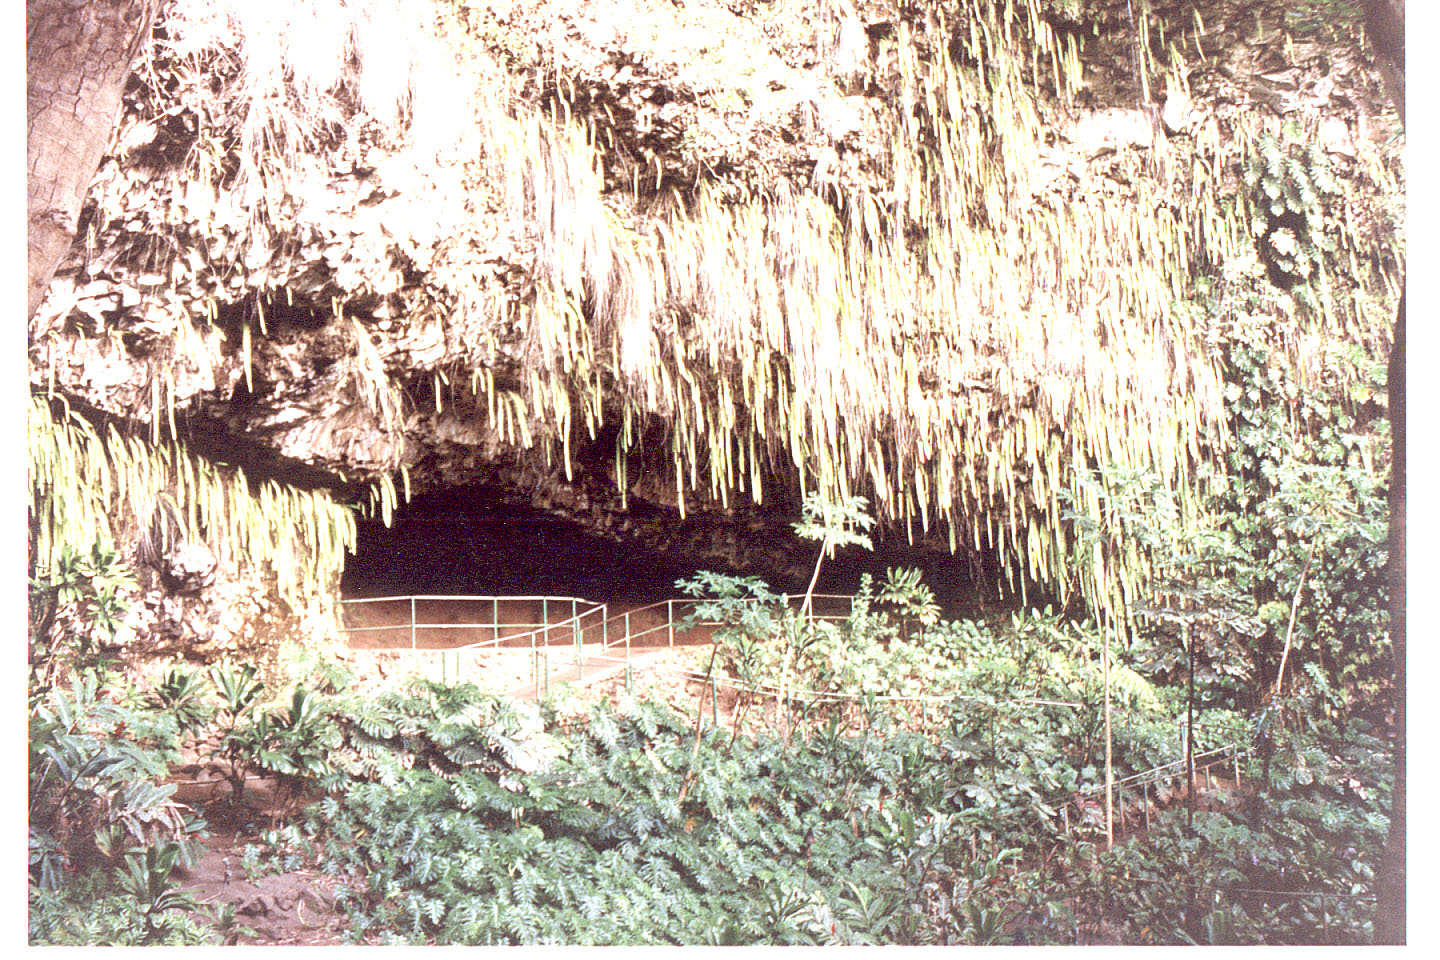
(487, 539)
(468, 541)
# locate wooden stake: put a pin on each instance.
(1109, 745)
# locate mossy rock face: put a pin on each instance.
(703, 258)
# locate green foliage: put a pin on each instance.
(1301, 216)
(835, 523)
(181, 693)
(1291, 184)
(291, 743)
(238, 738)
(1253, 871)
(442, 728)
(75, 608)
(598, 846)
(1295, 526)
(92, 911)
(1327, 19)
(1307, 474)
(93, 789)
(621, 828)
(146, 878)
(295, 744)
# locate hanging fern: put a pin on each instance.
(84, 485)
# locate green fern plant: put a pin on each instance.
(1291, 183)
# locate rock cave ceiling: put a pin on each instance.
(377, 316)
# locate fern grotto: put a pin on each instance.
(618, 472)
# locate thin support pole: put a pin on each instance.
(495, 620)
(1190, 727)
(545, 618)
(547, 671)
(627, 639)
(535, 661)
(1236, 757)
(579, 643)
(669, 621)
(1109, 757)
(412, 623)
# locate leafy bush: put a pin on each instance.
(93, 910)
(92, 789)
(75, 609)
(622, 828)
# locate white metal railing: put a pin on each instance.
(539, 633)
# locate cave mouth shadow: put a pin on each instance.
(516, 554)
(444, 548)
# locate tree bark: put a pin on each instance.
(1390, 877)
(78, 56)
(1385, 24)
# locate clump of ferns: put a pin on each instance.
(1291, 184)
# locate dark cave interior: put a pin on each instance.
(481, 540)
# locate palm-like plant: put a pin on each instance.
(146, 877)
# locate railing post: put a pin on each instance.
(535, 664)
(545, 617)
(670, 620)
(412, 623)
(627, 639)
(495, 621)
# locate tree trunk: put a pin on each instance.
(1385, 24)
(1390, 878)
(78, 58)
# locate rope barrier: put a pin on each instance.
(1279, 893)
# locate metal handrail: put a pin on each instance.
(452, 596)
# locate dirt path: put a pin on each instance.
(293, 908)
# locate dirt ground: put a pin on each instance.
(296, 908)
